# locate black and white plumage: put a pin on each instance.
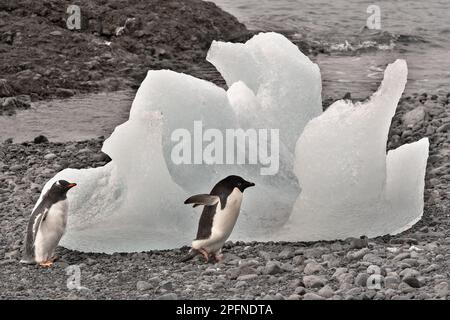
(221, 210)
(47, 225)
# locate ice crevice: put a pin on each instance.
(335, 179)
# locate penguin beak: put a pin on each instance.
(250, 184)
(71, 185)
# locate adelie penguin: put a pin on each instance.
(221, 210)
(47, 225)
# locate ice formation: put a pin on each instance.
(350, 187)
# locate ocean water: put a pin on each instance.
(418, 31)
(354, 59)
(78, 118)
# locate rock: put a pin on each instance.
(338, 272)
(441, 289)
(11, 104)
(412, 281)
(373, 258)
(56, 33)
(143, 286)
(409, 273)
(444, 128)
(414, 116)
(40, 139)
(166, 285)
(300, 290)
(313, 267)
(265, 255)
(50, 156)
(168, 296)
(298, 260)
(101, 157)
(430, 268)
(326, 292)
(5, 89)
(402, 256)
(272, 267)
(357, 254)
(359, 243)
(16, 167)
(312, 296)
(286, 254)
(361, 279)
(405, 288)
(64, 93)
(391, 281)
(247, 277)
(313, 281)
(294, 297)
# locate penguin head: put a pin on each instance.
(237, 182)
(61, 187)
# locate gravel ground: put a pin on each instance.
(412, 265)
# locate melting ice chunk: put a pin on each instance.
(349, 186)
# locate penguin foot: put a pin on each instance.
(205, 254)
(46, 264)
(218, 257)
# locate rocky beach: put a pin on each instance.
(41, 59)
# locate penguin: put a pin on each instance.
(221, 210)
(47, 225)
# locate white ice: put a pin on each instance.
(350, 188)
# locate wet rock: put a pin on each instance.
(64, 93)
(9, 105)
(40, 139)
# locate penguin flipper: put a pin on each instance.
(202, 200)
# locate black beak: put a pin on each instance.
(250, 184)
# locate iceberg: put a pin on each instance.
(350, 187)
(333, 179)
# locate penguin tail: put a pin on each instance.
(189, 256)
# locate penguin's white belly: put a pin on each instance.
(51, 231)
(223, 224)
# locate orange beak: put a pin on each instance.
(71, 185)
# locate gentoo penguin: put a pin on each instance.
(47, 225)
(220, 212)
